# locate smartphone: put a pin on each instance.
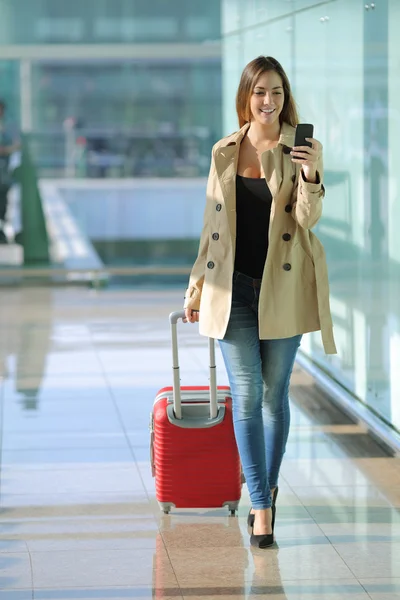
(303, 131)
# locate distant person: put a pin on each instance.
(7, 147)
(260, 279)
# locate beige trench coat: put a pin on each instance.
(294, 295)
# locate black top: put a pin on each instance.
(253, 209)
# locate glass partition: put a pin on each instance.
(10, 90)
(126, 119)
(119, 126)
(343, 61)
(102, 21)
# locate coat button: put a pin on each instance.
(293, 178)
(287, 266)
(218, 207)
(215, 236)
(210, 264)
(286, 237)
(288, 208)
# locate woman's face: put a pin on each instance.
(266, 102)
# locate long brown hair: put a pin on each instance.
(250, 75)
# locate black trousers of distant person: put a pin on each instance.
(4, 189)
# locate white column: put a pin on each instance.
(26, 94)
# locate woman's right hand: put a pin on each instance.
(191, 316)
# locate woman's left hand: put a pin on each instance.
(308, 157)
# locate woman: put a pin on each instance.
(260, 279)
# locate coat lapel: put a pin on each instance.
(226, 165)
(275, 163)
(272, 165)
(226, 160)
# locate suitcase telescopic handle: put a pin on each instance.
(173, 319)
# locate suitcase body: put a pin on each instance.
(194, 455)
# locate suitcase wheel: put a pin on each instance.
(233, 513)
(167, 511)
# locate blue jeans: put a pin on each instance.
(259, 375)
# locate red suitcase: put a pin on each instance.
(194, 455)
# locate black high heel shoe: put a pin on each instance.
(250, 520)
(264, 540)
(250, 517)
(274, 507)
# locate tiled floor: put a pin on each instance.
(78, 514)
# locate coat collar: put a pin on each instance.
(275, 162)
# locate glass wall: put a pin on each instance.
(343, 60)
(144, 101)
(120, 103)
(143, 118)
(105, 21)
(9, 89)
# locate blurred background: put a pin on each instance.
(113, 108)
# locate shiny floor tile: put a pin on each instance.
(139, 439)
(15, 571)
(34, 527)
(308, 447)
(51, 365)
(362, 515)
(78, 495)
(122, 383)
(381, 588)
(100, 542)
(48, 440)
(319, 410)
(16, 594)
(225, 566)
(95, 568)
(10, 545)
(134, 418)
(34, 389)
(57, 384)
(343, 533)
(383, 471)
(214, 535)
(371, 560)
(83, 533)
(310, 472)
(288, 511)
(108, 593)
(391, 494)
(35, 407)
(219, 532)
(73, 481)
(340, 498)
(345, 589)
(66, 419)
(54, 503)
(66, 458)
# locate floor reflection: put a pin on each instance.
(78, 514)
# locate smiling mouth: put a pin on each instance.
(267, 111)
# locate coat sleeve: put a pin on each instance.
(307, 199)
(196, 279)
